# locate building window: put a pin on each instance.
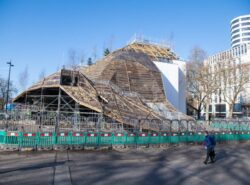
(245, 29)
(235, 21)
(237, 107)
(245, 18)
(246, 34)
(236, 36)
(246, 39)
(245, 24)
(236, 41)
(210, 108)
(237, 45)
(220, 108)
(235, 26)
(235, 31)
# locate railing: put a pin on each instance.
(38, 140)
(231, 125)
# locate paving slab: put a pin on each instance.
(175, 165)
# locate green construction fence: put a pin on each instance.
(49, 139)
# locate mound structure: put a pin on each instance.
(124, 86)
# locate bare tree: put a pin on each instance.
(42, 74)
(108, 45)
(233, 78)
(94, 54)
(3, 91)
(209, 86)
(111, 42)
(76, 58)
(170, 40)
(73, 59)
(200, 81)
(197, 55)
(82, 58)
(23, 78)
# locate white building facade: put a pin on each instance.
(218, 106)
(174, 82)
(240, 30)
(238, 53)
(173, 74)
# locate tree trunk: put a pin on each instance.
(207, 111)
(230, 112)
(199, 113)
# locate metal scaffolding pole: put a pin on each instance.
(8, 86)
(58, 110)
(76, 116)
(41, 107)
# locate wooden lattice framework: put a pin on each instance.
(121, 86)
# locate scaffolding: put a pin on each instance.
(157, 50)
(123, 92)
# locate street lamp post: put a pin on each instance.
(8, 86)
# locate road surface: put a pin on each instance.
(175, 165)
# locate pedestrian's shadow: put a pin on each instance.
(220, 155)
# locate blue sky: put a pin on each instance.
(39, 33)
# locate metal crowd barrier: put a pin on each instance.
(231, 125)
(49, 139)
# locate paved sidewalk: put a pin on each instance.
(176, 165)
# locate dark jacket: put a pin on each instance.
(209, 141)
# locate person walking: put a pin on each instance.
(209, 143)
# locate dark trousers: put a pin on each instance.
(210, 154)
